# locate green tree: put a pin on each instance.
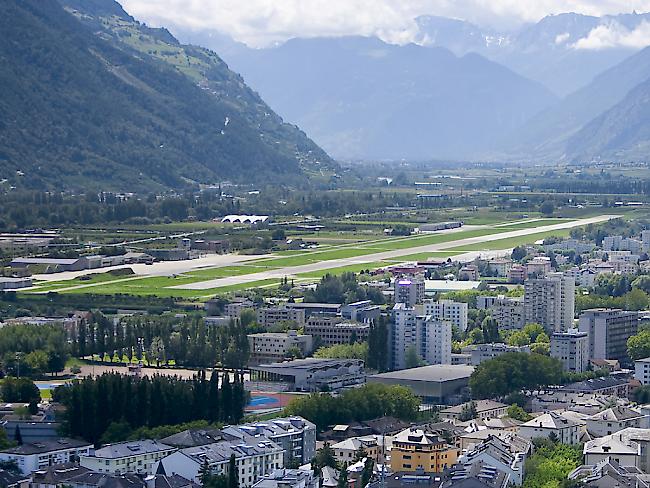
(360, 454)
(547, 207)
(325, 457)
(343, 477)
(512, 372)
(204, 472)
(533, 330)
(233, 472)
(412, 359)
(468, 412)
(642, 394)
(543, 348)
(358, 350)
(38, 362)
(378, 345)
(638, 346)
(642, 283)
(519, 253)
(518, 338)
(19, 390)
(518, 413)
(157, 350)
(550, 464)
(367, 472)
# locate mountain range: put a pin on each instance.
(363, 98)
(460, 91)
(91, 97)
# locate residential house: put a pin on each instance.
(414, 448)
(624, 452)
(347, 450)
(288, 478)
(255, 457)
(613, 420)
(138, 457)
(32, 456)
(550, 425)
(507, 456)
(485, 409)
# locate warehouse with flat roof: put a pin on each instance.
(441, 384)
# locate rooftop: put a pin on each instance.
(133, 448)
(29, 448)
(481, 406)
(436, 373)
(307, 363)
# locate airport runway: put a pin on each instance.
(381, 256)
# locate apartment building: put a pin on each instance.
(409, 289)
(331, 331)
(550, 301)
(417, 450)
(572, 349)
(508, 312)
(255, 457)
(484, 352)
(430, 338)
(642, 371)
(270, 347)
(608, 330)
(270, 316)
(296, 436)
(32, 456)
(127, 457)
(446, 310)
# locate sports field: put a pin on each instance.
(186, 280)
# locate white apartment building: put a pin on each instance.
(615, 419)
(446, 310)
(642, 371)
(409, 290)
(550, 301)
(127, 457)
(485, 352)
(609, 330)
(255, 457)
(269, 347)
(269, 316)
(539, 266)
(430, 338)
(235, 308)
(565, 430)
(508, 312)
(572, 349)
(483, 302)
(32, 456)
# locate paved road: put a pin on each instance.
(380, 256)
(162, 268)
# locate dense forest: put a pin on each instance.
(92, 405)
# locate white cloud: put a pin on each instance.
(261, 22)
(562, 38)
(616, 35)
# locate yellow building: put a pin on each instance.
(414, 448)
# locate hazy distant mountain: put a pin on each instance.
(546, 134)
(621, 133)
(547, 51)
(362, 98)
(109, 103)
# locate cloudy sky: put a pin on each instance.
(263, 22)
